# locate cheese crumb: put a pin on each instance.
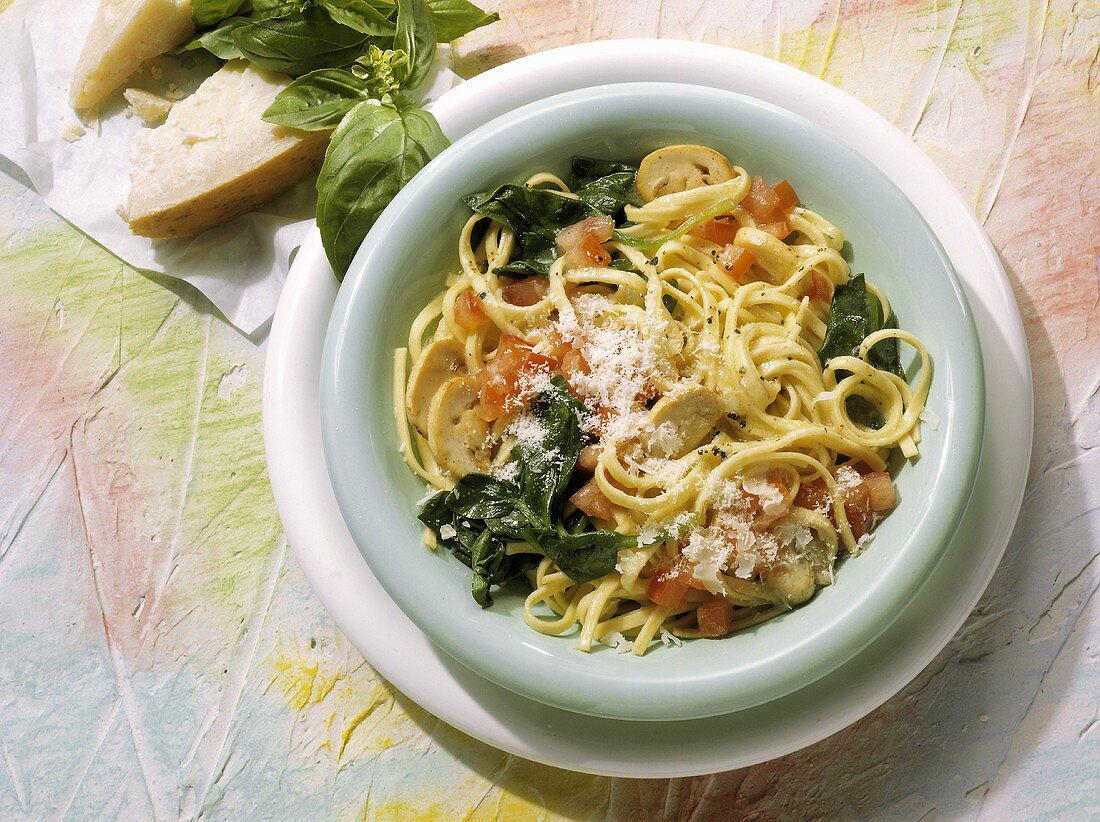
(72, 131)
(619, 642)
(151, 108)
(929, 416)
(447, 532)
(670, 639)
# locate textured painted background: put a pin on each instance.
(163, 656)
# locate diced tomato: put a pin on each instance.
(857, 508)
(504, 384)
(582, 243)
(820, 289)
(669, 586)
(880, 490)
(761, 202)
(788, 199)
(765, 519)
(527, 291)
(590, 499)
(779, 228)
(813, 496)
(715, 617)
(470, 311)
(589, 458)
(573, 364)
(720, 230)
(737, 261)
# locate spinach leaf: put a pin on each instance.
(318, 100)
(219, 41)
(606, 186)
(416, 37)
(209, 12)
(854, 315)
(300, 43)
(359, 15)
(585, 556)
(547, 462)
(481, 514)
(585, 170)
(457, 18)
(849, 320)
(884, 355)
(864, 412)
(536, 216)
(374, 151)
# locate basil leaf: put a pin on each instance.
(262, 9)
(359, 15)
(318, 100)
(457, 18)
(374, 152)
(209, 12)
(416, 37)
(299, 44)
(219, 41)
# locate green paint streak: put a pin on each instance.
(144, 353)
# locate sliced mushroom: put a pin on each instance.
(672, 169)
(459, 438)
(792, 582)
(439, 362)
(692, 413)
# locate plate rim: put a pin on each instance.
(593, 689)
(556, 737)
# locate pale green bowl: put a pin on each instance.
(401, 266)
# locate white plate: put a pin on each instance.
(404, 656)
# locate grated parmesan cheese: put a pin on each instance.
(929, 416)
(447, 532)
(670, 639)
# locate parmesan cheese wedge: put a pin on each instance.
(124, 35)
(215, 158)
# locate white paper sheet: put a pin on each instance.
(239, 266)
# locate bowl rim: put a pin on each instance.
(713, 697)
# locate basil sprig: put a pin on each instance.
(351, 60)
(482, 513)
(319, 100)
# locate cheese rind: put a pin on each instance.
(124, 35)
(215, 158)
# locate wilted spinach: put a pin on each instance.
(536, 215)
(485, 512)
(854, 315)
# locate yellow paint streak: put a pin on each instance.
(399, 811)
